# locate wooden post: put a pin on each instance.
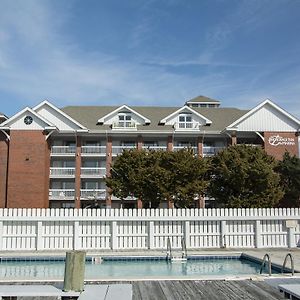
(139, 203)
(170, 204)
(113, 235)
(233, 139)
(201, 202)
(74, 271)
(150, 235)
(39, 236)
(76, 242)
(78, 172)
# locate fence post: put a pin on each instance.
(258, 241)
(291, 237)
(113, 235)
(76, 241)
(39, 236)
(223, 232)
(1, 235)
(150, 235)
(186, 234)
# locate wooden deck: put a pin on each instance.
(206, 290)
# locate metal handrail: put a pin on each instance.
(169, 249)
(266, 256)
(292, 263)
(183, 248)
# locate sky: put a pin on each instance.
(155, 52)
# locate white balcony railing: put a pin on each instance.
(93, 172)
(93, 150)
(177, 148)
(210, 151)
(61, 194)
(92, 194)
(119, 149)
(156, 148)
(124, 125)
(186, 126)
(62, 172)
(63, 150)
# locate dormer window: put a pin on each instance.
(125, 120)
(185, 121)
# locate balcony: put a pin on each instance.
(186, 126)
(178, 148)
(62, 172)
(93, 150)
(63, 151)
(92, 194)
(61, 194)
(123, 125)
(119, 149)
(211, 151)
(92, 172)
(155, 148)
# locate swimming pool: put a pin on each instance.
(113, 268)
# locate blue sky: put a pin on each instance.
(149, 52)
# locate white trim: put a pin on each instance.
(185, 107)
(4, 117)
(256, 108)
(32, 112)
(202, 102)
(46, 102)
(101, 120)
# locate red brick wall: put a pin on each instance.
(277, 143)
(3, 168)
(28, 170)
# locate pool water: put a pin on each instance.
(124, 269)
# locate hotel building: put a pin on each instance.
(59, 157)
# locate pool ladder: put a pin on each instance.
(171, 257)
(265, 258)
(289, 255)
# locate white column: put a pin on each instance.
(223, 232)
(113, 235)
(39, 236)
(291, 237)
(186, 234)
(150, 235)
(1, 235)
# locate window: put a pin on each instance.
(195, 105)
(185, 121)
(125, 120)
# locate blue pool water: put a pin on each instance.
(129, 269)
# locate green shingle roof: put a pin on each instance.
(89, 116)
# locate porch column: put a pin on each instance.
(140, 142)
(170, 143)
(170, 204)
(200, 146)
(201, 202)
(139, 203)
(233, 139)
(108, 168)
(77, 172)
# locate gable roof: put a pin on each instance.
(27, 109)
(164, 120)
(256, 108)
(47, 103)
(89, 116)
(101, 120)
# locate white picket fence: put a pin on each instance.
(103, 229)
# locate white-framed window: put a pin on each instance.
(125, 120)
(185, 121)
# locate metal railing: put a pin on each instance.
(183, 248)
(61, 194)
(92, 194)
(124, 124)
(178, 148)
(186, 125)
(289, 255)
(119, 149)
(265, 258)
(63, 150)
(210, 151)
(93, 150)
(156, 148)
(92, 172)
(62, 172)
(169, 250)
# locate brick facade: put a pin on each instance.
(277, 143)
(28, 180)
(3, 168)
